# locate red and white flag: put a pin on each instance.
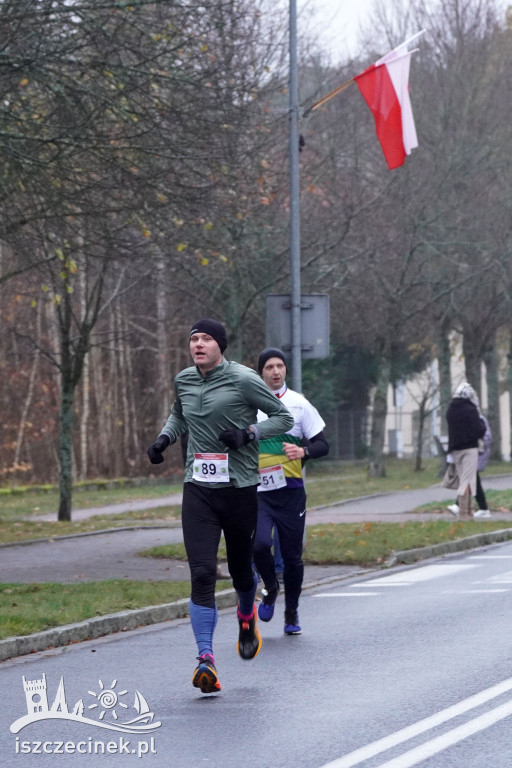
(385, 88)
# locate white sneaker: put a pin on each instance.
(454, 509)
(482, 513)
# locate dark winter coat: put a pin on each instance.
(465, 427)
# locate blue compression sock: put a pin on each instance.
(246, 599)
(204, 621)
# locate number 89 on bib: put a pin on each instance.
(211, 467)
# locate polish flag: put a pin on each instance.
(385, 88)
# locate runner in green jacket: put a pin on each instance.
(217, 403)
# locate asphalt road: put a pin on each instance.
(394, 670)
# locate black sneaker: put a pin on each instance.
(205, 675)
(268, 601)
(291, 623)
(249, 639)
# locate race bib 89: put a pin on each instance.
(211, 467)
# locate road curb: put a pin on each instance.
(409, 556)
(123, 621)
(100, 626)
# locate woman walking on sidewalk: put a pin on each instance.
(465, 429)
(484, 453)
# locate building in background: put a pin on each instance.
(404, 401)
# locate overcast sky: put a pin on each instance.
(338, 22)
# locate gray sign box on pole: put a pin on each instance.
(314, 324)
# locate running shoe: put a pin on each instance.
(484, 513)
(268, 601)
(249, 639)
(291, 623)
(454, 509)
(205, 675)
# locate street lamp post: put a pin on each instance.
(295, 278)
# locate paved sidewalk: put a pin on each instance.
(114, 554)
(376, 507)
(174, 500)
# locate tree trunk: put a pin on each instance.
(30, 393)
(509, 360)
(493, 399)
(472, 363)
(66, 447)
(162, 388)
(132, 420)
(445, 382)
(422, 415)
(86, 386)
(97, 457)
(376, 466)
(125, 442)
(114, 464)
(442, 457)
(73, 352)
(84, 419)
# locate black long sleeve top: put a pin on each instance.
(465, 427)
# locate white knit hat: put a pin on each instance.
(465, 390)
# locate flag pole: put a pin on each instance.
(329, 96)
(295, 276)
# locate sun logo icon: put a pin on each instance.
(108, 699)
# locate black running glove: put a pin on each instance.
(155, 451)
(236, 438)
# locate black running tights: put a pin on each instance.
(206, 512)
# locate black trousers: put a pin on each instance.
(480, 494)
(205, 514)
(286, 509)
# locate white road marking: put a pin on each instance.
(380, 584)
(472, 591)
(422, 726)
(490, 557)
(433, 747)
(501, 578)
(416, 575)
(347, 594)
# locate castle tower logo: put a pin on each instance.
(109, 704)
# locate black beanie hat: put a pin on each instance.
(213, 328)
(267, 354)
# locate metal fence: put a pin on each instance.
(347, 434)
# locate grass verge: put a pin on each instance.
(29, 503)
(371, 544)
(365, 544)
(28, 608)
(23, 530)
